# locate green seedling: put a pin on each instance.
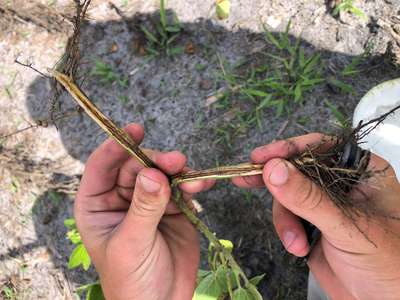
(8, 293)
(9, 86)
(15, 186)
(223, 280)
(348, 6)
(80, 257)
(162, 39)
(107, 75)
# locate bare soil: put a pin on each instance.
(168, 96)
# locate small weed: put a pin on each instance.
(123, 99)
(200, 67)
(124, 2)
(9, 86)
(337, 83)
(304, 120)
(15, 186)
(55, 197)
(9, 292)
(107, 75)
(278, 80)
(162, 38)
(348, 6)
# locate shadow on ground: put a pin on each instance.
(167, 95)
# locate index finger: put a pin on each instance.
(102, 166)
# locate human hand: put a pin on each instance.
(348, 262)
(139, 242)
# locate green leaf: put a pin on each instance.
(55, 197)
(208, 289)
(297, 93)
(225, 276)
(311, 62)
(173, 29)
(256, 93)
(149, 35)
(257, 279)
(172, 38)
(163, 16)
(241, 294)
(265, 102)
(175, 51)
(248, 293)
(95, 292)
(70, 223)
(79, 257)
(86, 287)
(74, 236)
(254, 292)
(271, 38)
(344, 87)
(228, 245)
(358, 12)
(223, 9)
(201, 274)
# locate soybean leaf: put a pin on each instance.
(95, 292)
(254, 292)
(257, 279)
(223, 276)
(223, 9)
(74, 236)
(79, 257)
(208, 289)
(201, 274)
(70, 223)
(242, 294)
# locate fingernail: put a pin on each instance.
(288, 238)
(149, 185)
(279, 174)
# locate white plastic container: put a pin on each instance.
(385, 139)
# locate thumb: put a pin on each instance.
(150, 198)
(301, 196)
